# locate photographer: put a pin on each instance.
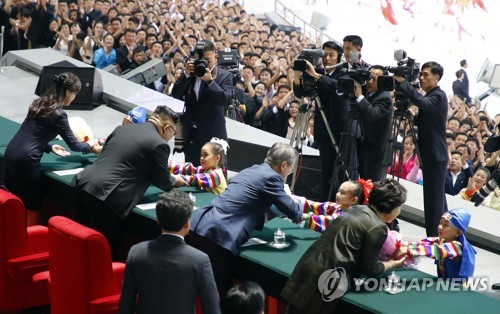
(333, 105)
(431, 122)
(205, 98)
(376, 114)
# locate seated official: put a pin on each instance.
(220, 228)
(165, 274)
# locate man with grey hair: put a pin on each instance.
(220, 228)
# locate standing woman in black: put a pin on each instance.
(45, 120)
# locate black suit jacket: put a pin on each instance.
(134, 156)
(122, 58)
(466, 81)
(431, 121)
(207, 112)
(460, 183)
(166, 275)
(334, 106)
(460, 89)
(376, 116)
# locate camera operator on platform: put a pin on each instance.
(376, 113)
(205, 98)
(334, 106)
(431, 122)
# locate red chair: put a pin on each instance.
(23, 253)
(83, 278)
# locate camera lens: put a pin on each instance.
(200, 70)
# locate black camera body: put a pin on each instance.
(229, 60)
(200, 64)
(409, 69)
(308, 83)
(345, 84)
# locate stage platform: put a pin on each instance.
(248, 145)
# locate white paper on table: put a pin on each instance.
(253, 241)
(68, 172)
(147, 206)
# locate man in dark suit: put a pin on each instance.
(333, 105)
(458, 174)
(459, 87)
(464, 66)
(431, 122)
(135, 155)
(376, 116)
(125, 54)
(165, 274)
(205, 98)
(220, 228)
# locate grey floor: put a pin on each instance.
(15, 99)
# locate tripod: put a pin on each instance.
(346, 163)
(299, 131)
(395, 152)
(2, 61)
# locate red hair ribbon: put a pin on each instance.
(367, 188)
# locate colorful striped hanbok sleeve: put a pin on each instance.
(318, 208)
(209, 179)
(318, 223)
(431, 247)
(185, 168)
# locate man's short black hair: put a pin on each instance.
(463, 62)
(173, 210)
(246, 297)
(435, 67)
(209, 45)
(355, 40)
(459, 73)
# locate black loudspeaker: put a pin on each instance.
(89, 97)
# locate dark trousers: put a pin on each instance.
(434, 197)
(95, 214)
(222, 260)
(327, 157)
(192, 147)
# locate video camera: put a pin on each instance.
(407, 68)
(200, 64)
(312, 55)
(229, 60)
(357, 73)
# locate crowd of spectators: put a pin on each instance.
(131, 32)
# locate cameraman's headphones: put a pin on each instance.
(333, 45)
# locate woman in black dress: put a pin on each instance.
(45, 120)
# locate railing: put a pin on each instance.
(313, 32)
